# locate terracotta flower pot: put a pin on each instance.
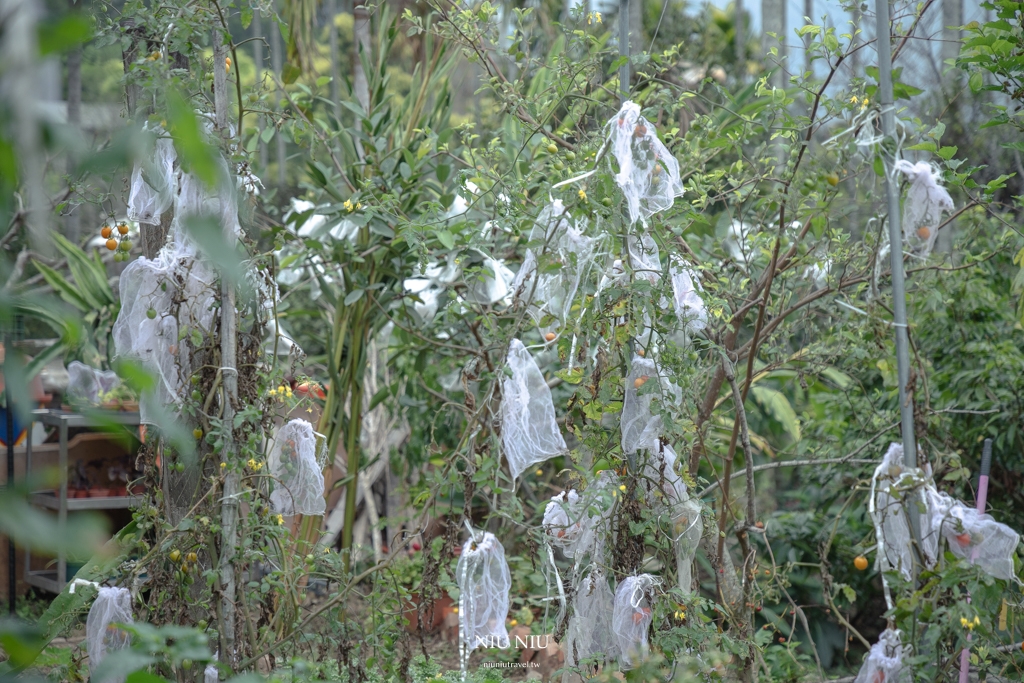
(432, 618)
(100, 493)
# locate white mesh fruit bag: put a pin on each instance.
(102, 636)
(154, 185)
(631, 618)
(86, 384)
(298, 477)
(590, 628)
(484, 584)
(891, 485)
(161, 298)
(686, 298)
(648, 174)
(553, 267)
(644, 258)
(668, 486)
(529, 431)
(885, 661)
(661, 478)
(981, 540)
(922, 209)
(562, 519)
(597, 504)
(641, 427)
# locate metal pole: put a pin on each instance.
(624, 50)
(895, 235)
(899, 297)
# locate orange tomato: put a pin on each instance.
(964, 539)
(924, 233)
(861, 562)
(550, 336)
(111, 244)
(122, 228)
(639, 381)
(106, 232)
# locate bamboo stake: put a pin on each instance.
(899, 296)
(624, 50)
(229, 383)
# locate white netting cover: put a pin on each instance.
(154, 185)
(562, 519)
(298, 477)
(484, 584)
(891, 484)
(923, 207)
(686, 298)
(641, 427)
(596, 507)
(163, 302)
(687, 524)
(550, 291)
(112, 606)
(85, 384)
(169, 300)
(631, 618)
(885, 661)
(210, 674)
(529, 432)
(491, 284)
(644, 258)
(590, 628)
(648, 173)
(973, 536)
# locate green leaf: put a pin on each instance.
(879, 167)
(145, 676)
(353, 297)
(90, 274)
(443, 170)
(246, 10)
(947, 153)
(446, 238)
(776, 403)
(196, 153)
(574, 376)
(927, 146)
(976, 81)
(65, 289)
(64, 34)
(290, 73)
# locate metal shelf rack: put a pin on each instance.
(50, 579)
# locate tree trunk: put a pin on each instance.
(229, 382)
(275, 64)
(740, 38)
(773, 20)
(361, 47)
(257, 47)
(952, 16)
(73, 224)
(332, 38)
